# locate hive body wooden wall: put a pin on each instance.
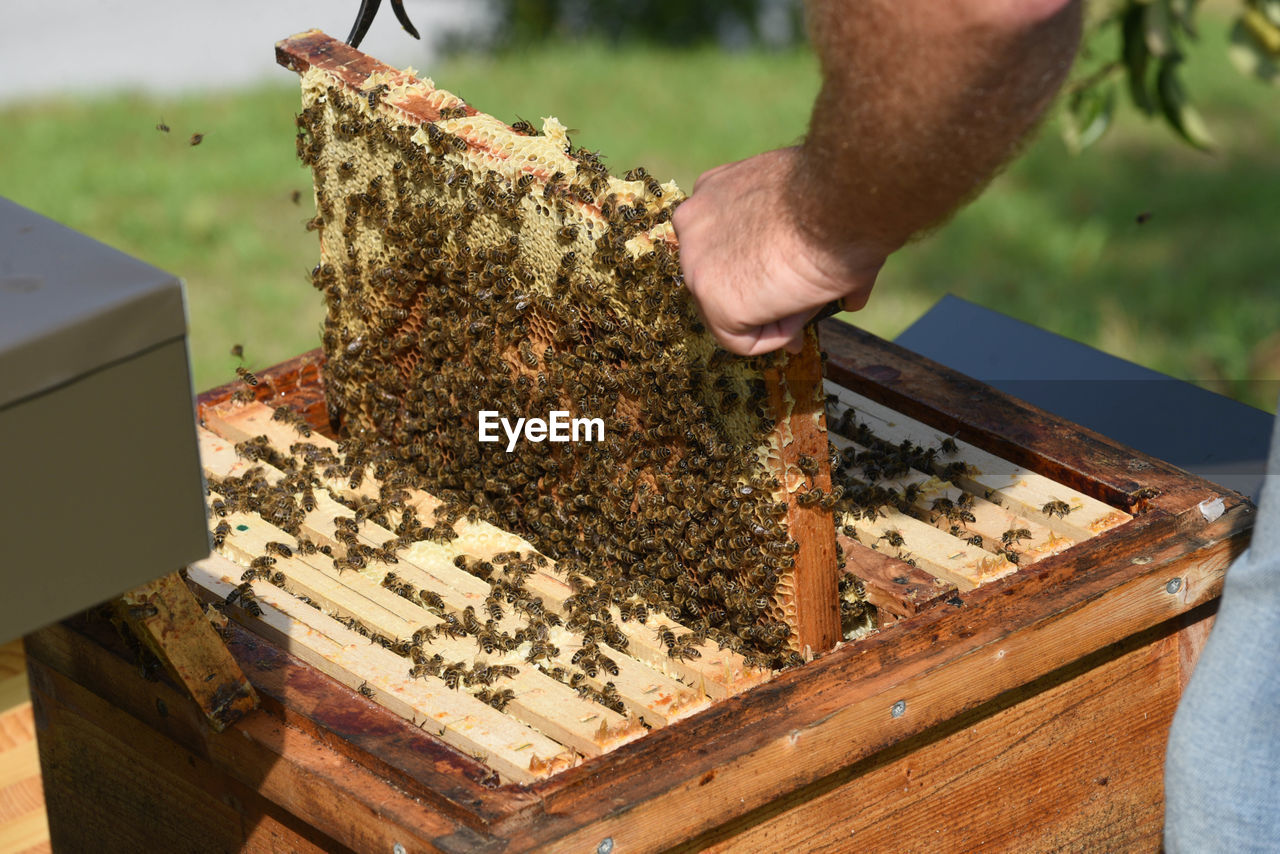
(1072, 760)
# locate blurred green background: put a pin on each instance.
(1193, 290)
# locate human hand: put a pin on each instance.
(757, 275)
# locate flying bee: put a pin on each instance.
(162, 127)
(244, 374)
(196, 139)
(1056, 508)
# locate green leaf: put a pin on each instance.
(1157, 29)
(1183, 117)
(1183, 13)
(1137, 58)
(1263, 31)
(1250, 57)
(1089, 115)
(1271, 9)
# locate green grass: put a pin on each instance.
(1193, 292)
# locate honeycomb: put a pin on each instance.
(469, 265)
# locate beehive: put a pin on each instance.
(898, 739)
(473, 266)
(467, 631)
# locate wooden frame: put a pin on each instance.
(935, 732)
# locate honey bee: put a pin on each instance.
(893, 538)
(1056, 508)
(373, 95)
(365, 690)
(220, 532)
(452, 674)
(1014, 535)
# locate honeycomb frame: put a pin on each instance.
(469, 264)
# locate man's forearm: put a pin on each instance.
(922, 102)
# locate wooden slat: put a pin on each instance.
(1012, 486)
(892, 585)
(169, 621)
(943, 555)
(990, 520)
(717, 672)
(350, 594)
(354, 596)
(240, 422)
(506, 745)
(808, 594)
(656, 698)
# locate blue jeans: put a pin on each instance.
(1222, 769)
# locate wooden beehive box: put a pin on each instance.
(1029, 713)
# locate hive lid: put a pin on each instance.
(70, 305)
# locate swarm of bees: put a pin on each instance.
(458, 282)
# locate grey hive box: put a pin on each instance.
(100, 481)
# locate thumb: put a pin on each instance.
(787, 333)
